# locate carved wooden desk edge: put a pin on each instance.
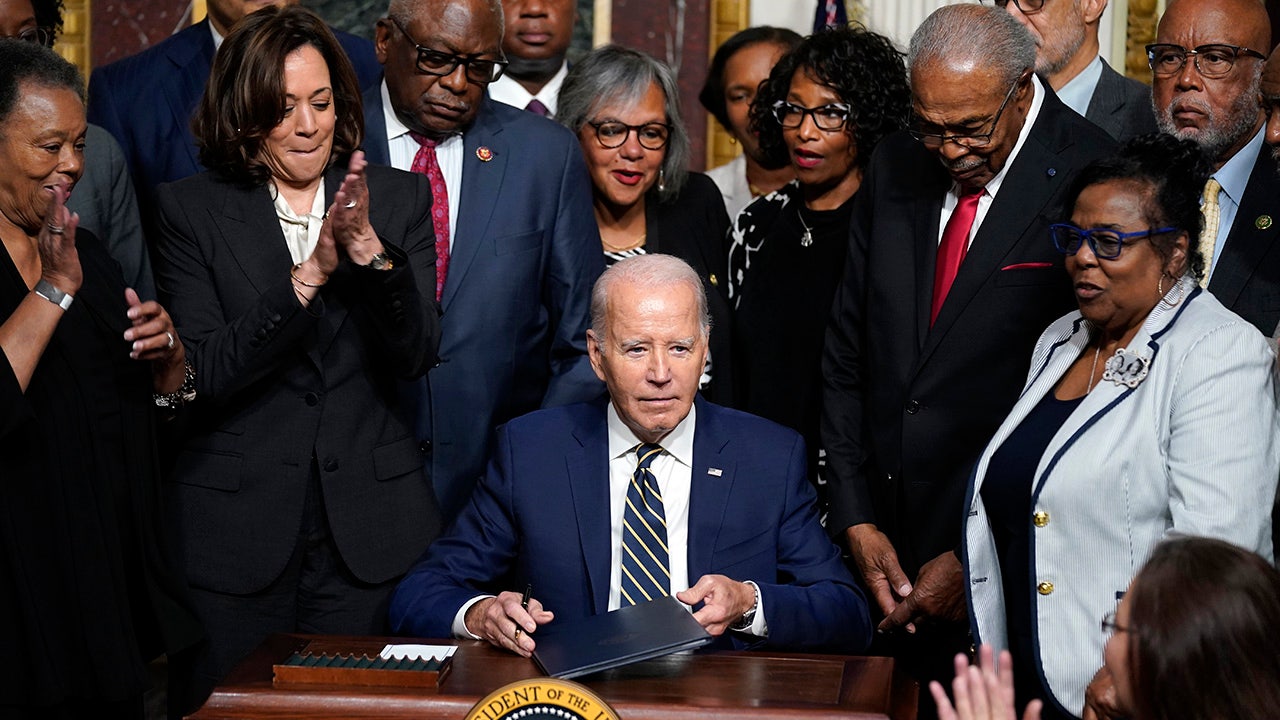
(705, 685)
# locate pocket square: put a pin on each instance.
(1026, 266)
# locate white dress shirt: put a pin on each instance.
(507, 90)
(1233, 176)
(301, 232)
(449, 153)
(993, 186)
(673, 470)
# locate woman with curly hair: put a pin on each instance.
(824, 108)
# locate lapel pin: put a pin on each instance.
(715, 472)
(1263, 222)
(484, 153)
(715, 281)
(1051, 172)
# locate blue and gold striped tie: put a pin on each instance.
(645, 573)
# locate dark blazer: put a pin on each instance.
(517, 297)
(287, 391)
(1121, 106)
(146, 102)
(549, 527)
(1247, 278)
(693, 226)
(908, 408)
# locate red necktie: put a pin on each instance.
(425, 162)
(536, 107)
(955, 243)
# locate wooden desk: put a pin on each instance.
(712, 685)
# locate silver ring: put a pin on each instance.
(351, 204)
(55, 229)
(172, 341)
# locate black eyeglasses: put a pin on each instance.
(1212, 61)
(612, 134)
(435, 62)
(35, 35)
(828, 117)
(1028, 7)
(1110, 626)
(934, 141)
(1104, 242)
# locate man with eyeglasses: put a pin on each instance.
(950, 279)
(1206, 67)
(146, 100)
(1066, 34)
(516, 239)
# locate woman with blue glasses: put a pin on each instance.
(1149, 411)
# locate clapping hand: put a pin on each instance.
(981, 692)
(349, 215)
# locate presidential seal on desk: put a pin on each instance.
(542, 698)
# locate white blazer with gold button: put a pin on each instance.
(1193, 449)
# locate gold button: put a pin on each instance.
(1045, 588)
(1040, 518)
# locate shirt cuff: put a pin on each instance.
(758, 627)
(460, 630)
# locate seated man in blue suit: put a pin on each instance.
(146, 100)
(517, 244)
(655, 492)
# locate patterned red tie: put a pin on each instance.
(955, 243)
(425, 162)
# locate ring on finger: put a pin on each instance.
(351, 204)
(172, 341)
(55, 229)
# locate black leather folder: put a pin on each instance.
(624, 636)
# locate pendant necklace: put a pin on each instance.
(1096, 352)
(807, 238)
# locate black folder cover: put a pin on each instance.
(624, 636)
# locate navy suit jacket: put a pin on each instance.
(517, 297)
(541, 517)
(146, 102)
(1247, 278)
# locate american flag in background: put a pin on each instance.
(828, 13)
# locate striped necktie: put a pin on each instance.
(645, 571)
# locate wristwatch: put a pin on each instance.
(381, 261)
(749, 617)
(47, 291)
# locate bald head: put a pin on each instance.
(408, 11)
(1221, 114)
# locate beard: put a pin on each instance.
(1222, 132)
(1053, 53)
(536, 70)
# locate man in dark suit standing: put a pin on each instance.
(146, 100)
(516, 240)
(657, 492)
(1213, 97)
(535, 41)
(1066, 35)
(950, 279)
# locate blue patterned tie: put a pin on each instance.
(645, 573)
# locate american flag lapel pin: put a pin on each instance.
(714, 472)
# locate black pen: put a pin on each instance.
(524, 605)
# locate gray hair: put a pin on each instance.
(614, 75)
(406, 11)
(975, 36)
(650, 272)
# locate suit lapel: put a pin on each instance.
(481, 187)
(1247, 243)
(192, 61)
(335, 310)
(251, 231)
(376, 149)
(709, 492)
(928, 215)
(588, 467)
(1028, 186)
